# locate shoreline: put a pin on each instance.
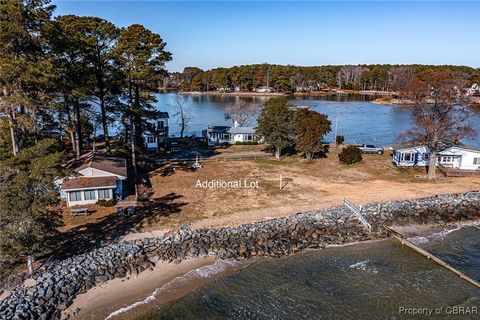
(109, 297)
(136, 297)
(333, 92)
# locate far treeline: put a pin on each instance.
(289, 79)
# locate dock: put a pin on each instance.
(428, 255)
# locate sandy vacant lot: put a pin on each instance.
(309, 185)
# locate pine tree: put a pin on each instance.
(275, 124)
(66, 46)
(28, 221)
(23, 64)
(142, 57)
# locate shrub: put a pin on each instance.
(350, 155)
(339, 140)
(106, 203)
(247, 143)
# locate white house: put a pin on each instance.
(263, 89)
(225, 134)
(98, 177)
(406, 155)
(156, 132)
(459, 156)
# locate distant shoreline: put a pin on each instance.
(332, 92)
(242, 94)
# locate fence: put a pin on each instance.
(357, 210)
(232, 157)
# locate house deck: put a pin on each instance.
(453, 172)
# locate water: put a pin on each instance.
(360, 120)
(459, 249)
(365, 281)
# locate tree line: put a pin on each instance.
(289, 79)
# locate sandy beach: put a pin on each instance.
(101, 301)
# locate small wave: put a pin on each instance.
(417, 240)
(363, 265)
(202, 272)
(443, 234)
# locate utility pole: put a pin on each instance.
(268, 77)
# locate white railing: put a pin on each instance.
(357, 210)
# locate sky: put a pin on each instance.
(209, 34)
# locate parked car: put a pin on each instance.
(370, 148)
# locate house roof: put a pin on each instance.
(232, 130)
(86, 183)
(218, 129)
(406, 145)
(100, 161)
(163, 115)
(246, 130)
(464, 147)
(467, 147)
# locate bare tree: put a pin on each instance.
(242, 113)
(440, 116)
(399, 78)
(183, 113)
(349, 74)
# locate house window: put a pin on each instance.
(476, 160)
(104, 194)
(90, 194)
(446, 159)
(150, 139)
(407, 156)
(75, 196)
